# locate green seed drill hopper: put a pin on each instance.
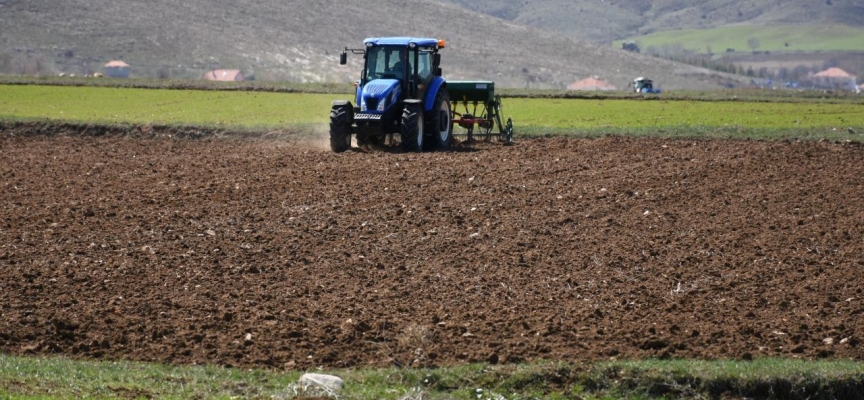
(475, 103)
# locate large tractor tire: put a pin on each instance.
(340, 127)
(412, 128)
(439, 121)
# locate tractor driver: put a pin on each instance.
(399, 68)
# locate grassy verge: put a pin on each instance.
(60, 378)
(533, 116)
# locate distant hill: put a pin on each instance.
(300, 41)
(772, 38)
(671, 28)
(608, 20)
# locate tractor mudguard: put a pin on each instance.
(434, 86)
(342, 103)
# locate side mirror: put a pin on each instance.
(436, 60)
(343, 58)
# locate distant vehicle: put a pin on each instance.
(644, 85)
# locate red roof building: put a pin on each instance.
(592, 83)
(835, 78)
(224, 75)
(833, 73)
(116, 69)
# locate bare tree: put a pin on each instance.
(753, 43)
(30, 64)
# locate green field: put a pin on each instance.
(816, 37)
(531, 115)
(686, 118)
(164, 106)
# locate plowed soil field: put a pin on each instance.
(279, 253)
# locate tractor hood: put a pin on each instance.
(378, 95)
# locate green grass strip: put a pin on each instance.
(761, 378)
(144, 106)
(532, 116)
(683, 118)
(61, 378)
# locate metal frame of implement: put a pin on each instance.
(482, 107)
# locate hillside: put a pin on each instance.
(607, 20)
(300, 41)
(773, 38)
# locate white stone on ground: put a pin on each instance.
(325, 381)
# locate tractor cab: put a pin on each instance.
(395, 69)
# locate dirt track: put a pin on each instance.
(273, 253)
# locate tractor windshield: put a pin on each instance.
(386, 62)
(391, 62)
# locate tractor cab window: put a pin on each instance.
(390, 63)
(424, 64)
(386, 62)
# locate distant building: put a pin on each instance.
(224, 75)
(835, 78)
(592, 83)
(116, 69)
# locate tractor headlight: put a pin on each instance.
(382, 104)
(362, 104)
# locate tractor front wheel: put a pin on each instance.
(412, 128)
(439, 120)
(340, 127)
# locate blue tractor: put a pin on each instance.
(400, 91)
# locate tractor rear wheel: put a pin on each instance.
(412, 128)
(439, 121)
(340, 127)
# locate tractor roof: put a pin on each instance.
(400, 41)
